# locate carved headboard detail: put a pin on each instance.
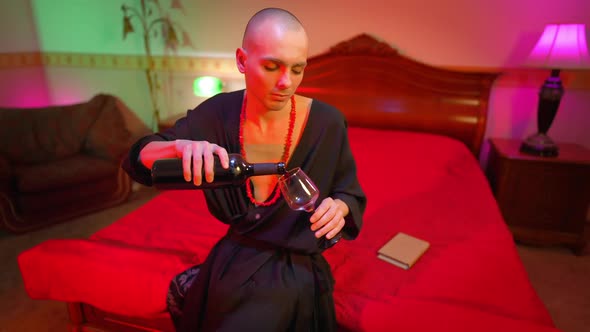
(363, 44)
(376, 87)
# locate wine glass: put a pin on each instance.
(301, 194)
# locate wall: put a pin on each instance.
(486, 35)
(20, 85)
(466, 33)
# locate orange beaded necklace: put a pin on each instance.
(284, 158)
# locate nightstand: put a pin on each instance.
(544, 200)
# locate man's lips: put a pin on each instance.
(279, 96)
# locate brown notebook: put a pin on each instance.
(403, 250)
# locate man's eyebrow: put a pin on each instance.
(275, 60)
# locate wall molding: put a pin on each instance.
(115, 61)
(510, 77)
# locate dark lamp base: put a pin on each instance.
(539, 145)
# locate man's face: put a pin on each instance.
(275, 60)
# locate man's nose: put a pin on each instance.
(284, 80)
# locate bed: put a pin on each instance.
(416, 133)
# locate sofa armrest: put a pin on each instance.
(114, 131)
(107, 136)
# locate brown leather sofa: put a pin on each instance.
(61, 162)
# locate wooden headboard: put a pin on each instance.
(376, 87)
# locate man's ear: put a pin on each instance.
(241, 59)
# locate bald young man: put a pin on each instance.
(267, 273)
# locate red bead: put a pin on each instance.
(284, 158)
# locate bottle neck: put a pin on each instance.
(268, 168)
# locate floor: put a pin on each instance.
(561, 279)
(19, 313)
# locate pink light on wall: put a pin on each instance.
(561, 46)
(24, 87)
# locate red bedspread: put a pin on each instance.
(428, 186)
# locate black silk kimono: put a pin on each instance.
(267, 273)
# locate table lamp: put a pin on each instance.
(561, 46)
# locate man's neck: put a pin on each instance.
(266, 120)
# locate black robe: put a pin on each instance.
(267, 273)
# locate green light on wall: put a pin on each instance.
(207, 86)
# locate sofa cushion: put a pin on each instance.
(35, 135)
(67, 200)
(62, 172)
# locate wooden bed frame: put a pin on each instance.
(375, 87)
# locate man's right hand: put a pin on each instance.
(200, 154)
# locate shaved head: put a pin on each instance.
(276, 16)
(272, 58)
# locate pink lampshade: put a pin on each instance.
(561, 46)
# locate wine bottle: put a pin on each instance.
(168, 173)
